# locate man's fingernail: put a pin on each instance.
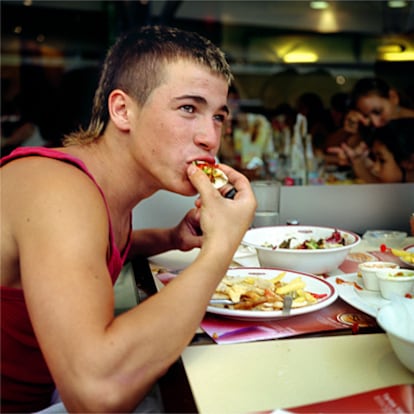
(191, 169)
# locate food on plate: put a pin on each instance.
(217, 177)
(334, 240)
(259, 294)
(400, 273)
(402, 254)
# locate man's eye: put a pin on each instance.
(188, 108)
(220, 118)
(377, 111)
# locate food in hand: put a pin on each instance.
(216, 176)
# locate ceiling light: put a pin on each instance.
(319, 5)
(391, 48)
(300, 57)
(396, 4)
(398, 57)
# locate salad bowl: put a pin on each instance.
(311, 249)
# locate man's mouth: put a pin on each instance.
(216, 176)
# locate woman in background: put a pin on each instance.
(374, 104)
(390, 159)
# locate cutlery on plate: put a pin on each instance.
(287, 304)
(222, 302)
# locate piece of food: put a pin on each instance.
(259, 294)
(334, 240)
(403, 254)
(217, 177)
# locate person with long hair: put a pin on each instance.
(374, 103)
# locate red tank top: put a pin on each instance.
(26, 383)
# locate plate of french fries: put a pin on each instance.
(251, 293)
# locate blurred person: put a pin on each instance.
(311, 106)
(338, 109)
(252, 138)
(66, 230)
(282, 119)
(374, 104)
(390, 158)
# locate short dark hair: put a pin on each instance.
(135, 64)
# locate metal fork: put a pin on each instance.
(287, 304)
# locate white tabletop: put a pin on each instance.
(268, 375)
(243, 378)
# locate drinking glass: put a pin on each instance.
(267, 196)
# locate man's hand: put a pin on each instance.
(222, 220)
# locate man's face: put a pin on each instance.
(181, 122)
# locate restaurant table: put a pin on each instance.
(242, 378)
(278, 374)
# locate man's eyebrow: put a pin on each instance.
(202, 101)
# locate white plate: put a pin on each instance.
(411, 250)
(313, 283)
(178, 260)
(365, 300)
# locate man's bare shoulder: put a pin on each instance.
(48, 205)
(36, 172)
(43, 186)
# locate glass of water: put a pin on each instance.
(267, 196)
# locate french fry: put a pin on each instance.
(278, 278)
(403, 254)
(291, 287)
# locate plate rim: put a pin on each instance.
(347, 294)
(272, 315)
(357, 240)
(409, 248)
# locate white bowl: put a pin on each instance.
(391, 238)
(395, 282)
(369, 273)
(397, 320)
(317, 261)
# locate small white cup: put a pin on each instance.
(369, 273)
(396, 282)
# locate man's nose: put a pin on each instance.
(208, 135)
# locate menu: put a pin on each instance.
(336, 317)
(394, 399)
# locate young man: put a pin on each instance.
(66, 229)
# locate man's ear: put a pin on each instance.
(118, 109)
